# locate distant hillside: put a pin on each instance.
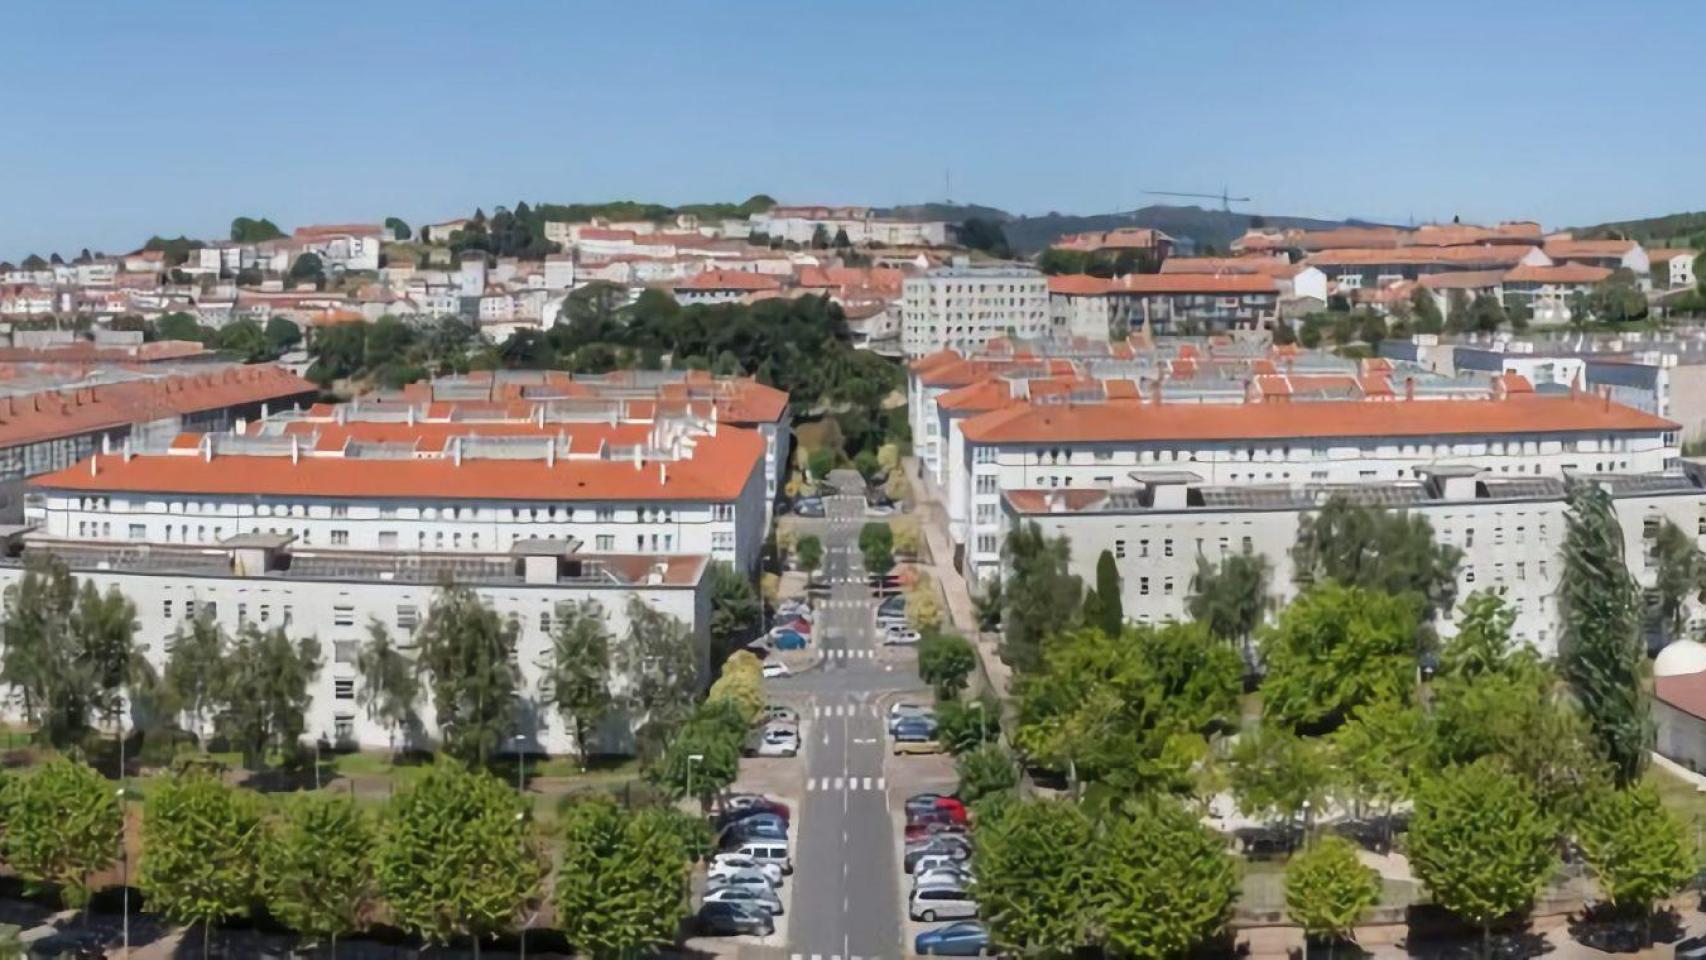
(1682, 229)
(1028, 235)
(1215, 228)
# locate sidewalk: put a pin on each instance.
(933, 523)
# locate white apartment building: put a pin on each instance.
(1100, 445)
(1158, 524)
(333, 595)
(965, 306)
(861, 224)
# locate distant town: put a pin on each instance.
(800, 581)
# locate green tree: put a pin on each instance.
(1232, 596)
(1162, 883)
(308, 267)
(662, 669)
(962, 726)
(254, 230)
(1328, 891)
(808, 553)
(575, 678)
(69, 650)
(319, 867)
(456, 856)
(876, 544)
(244, 339)
(1600, 647)
(1111, 607)
(62, 826)
(820, 237)
(979, 233)
(1381, 754)
(1481, 843)
(390, 684)
(1482, 643)
(1681, 577)
(1040, 596)
(819, 463)
(465, 650)
(1033, 865)
(1640, 853)
(1361, 546)
(201, 843)
(714, 734)
(945, 661)
(622, 884)
(1277, 775)
(990, 770)
(735, 609)
(264, 700)
(1334, 649)
(280, 335)
(196, 670)
(398, 228)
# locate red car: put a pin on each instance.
(923, 803)
(955, 814)
(924, 831)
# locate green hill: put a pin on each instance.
(1670, 230)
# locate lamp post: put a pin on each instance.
(521, 817)
(123, 850)
(520, 764)
(692, 758)
(318, 739)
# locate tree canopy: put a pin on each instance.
(1392, 552)
(1335, 648)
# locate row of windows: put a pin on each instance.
(719, 511)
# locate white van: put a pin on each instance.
(934, 902)
(766, 851)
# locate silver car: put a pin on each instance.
(940, 901)
(763, 897)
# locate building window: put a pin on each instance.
(340, 538)
(345, 651)
(605, 542)
(343, 689)
(1167, 547)
(343, 616)
(138, 531)
(166, 608)
(1143, 586)
(1119, 549)
(1143, 548)
(407, 617)
(343, 728)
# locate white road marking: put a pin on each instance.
(838, 783)
(880, 783)
(811, 784)
(867, 783)
(817, 956)
(796, 957)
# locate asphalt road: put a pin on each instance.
(846, 894)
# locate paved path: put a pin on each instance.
(933, 523)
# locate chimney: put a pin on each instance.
(456, 450)
(263, 411)
(94, 469)
(127, 453)
(207, 448)
(637, 456)
(106, 443)
(295, 449)
(1606, 393)
(663, 471)
(1409, 388)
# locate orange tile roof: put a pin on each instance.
(1560, 247)
(718, 470)
(1464, 234)
(338, 230)
(1562, 273)
(1255, 263)
(1660, 254)
(1137, 422)
(1505, 255)
(71, 413)
(1162, 284)
(990, 394)
(583, 437)
(729, 280)
(1461, 279)
(1038, 501)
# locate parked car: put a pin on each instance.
(748, 877)
(950, 874)
(940, 861)
(775, 668)
(940, 902)
(918, 831)
(728, 918)
(779, 742)
(948, 847)
(920, 802)
(903, 711)
(895, 621)
(789, 640)
(724, 819)
(897, 636)
(800, 627)
(915, 727)
(753, 828)
(967, 938)
(752, 897)
(954, 813)
(1694, 948)
(742, 801)
(737, 861)
(776, 711)
(809, 508)
(762, 849)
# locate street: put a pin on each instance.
(846, 903)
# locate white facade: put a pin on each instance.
(966, 306)
(334, 603)
(1511, 533)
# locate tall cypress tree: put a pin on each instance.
(1108, 590)
(1600, 639)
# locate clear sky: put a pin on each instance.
(127, 119)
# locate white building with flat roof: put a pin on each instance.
(965, 306)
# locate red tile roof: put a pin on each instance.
(1686, 692)
(1562, 273)
(71, 413)
(1485, 256)
(730, 280)
(718, 470)
(1462, 280)
(1162, 284)
(1137, 422)
(1566, 248)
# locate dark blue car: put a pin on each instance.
(968, 938)
(789, 640)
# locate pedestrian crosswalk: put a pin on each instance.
(845, 784)
(845, 654)
(828, 956)
(823, 711)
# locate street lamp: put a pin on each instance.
(520, 764)
(692, 758)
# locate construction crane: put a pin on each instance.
(1224, 196)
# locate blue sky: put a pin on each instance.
(126, 119)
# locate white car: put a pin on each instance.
(901, 636)
(776, 668)
(779, 742)
(728, 864)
